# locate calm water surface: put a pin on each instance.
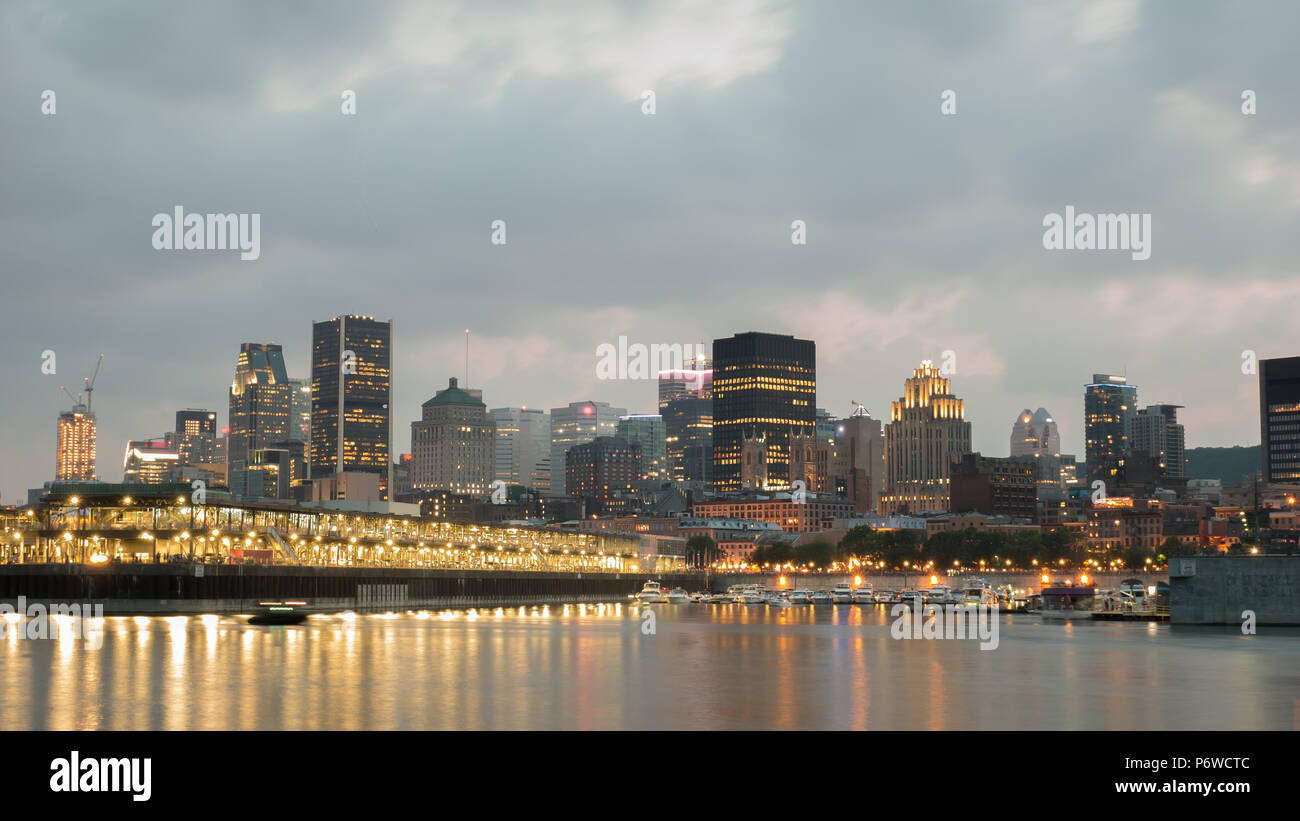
(591, 667)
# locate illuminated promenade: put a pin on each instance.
(102, 524)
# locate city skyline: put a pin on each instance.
(649, 387)
(924, 231)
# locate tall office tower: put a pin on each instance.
(1156, 432)
(860, 455)
(195, 436)
(300, 410)
(351, 398)
(1109, 404)
(764, 389)
(74, 456)
(523, 443)
(572, 425)
(1279, 418)
(259, 409)
(927, 428)
(602, 472)
(686, 405)
(647, 430)
(453, 446)
(1035, 434)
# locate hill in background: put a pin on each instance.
(1227, 464)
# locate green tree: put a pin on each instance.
(702, 551)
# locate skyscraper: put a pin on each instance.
(523, 437)
(74, 457)
(647, 430)
(764, 389)
(453, 445)
(860, 451)
(1109, 405)
(195, 436)
(351, 397)
(259, 410)
(1035, 434)
(572, 425)
(1279, 418)
(300, 410)
(686, 405)
(1155, 431)
(926, 430)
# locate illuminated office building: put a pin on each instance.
(300, 410)
(74, 457)
(927, 428)
(1156, 432)
(572, 425)
(686, 405)
(1279, 419)
(195, 436)
(453, 445)
(351, 397)
(1109, 405)
(259, 409)
(149, 462)
(647, 430)
(764, 389)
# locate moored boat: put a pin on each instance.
(1067, 603)
(863, 595)
(822, 597)
(801, 596)
(842, 593)
(678, 596)
(651, 593)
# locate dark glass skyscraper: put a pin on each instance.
(351, 397)
(686, 405)
(764, 388)
(259, 409)
(1279, 418)
(1109, 405)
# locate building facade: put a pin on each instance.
(259, 409)
(686, 405)
(927, 428)
(1279, 419)
(523, 444)
(453, 445)
(1109, 405)
(764, 390)
(75, 449)
(575, 424)
(1155, 431)
(601, 473)
(647, 430)
(351, 397)
(994, 486)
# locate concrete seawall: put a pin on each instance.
(189, 588)
(1219, 589)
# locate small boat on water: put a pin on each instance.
(822, 597)
(779, 598)
(280, 612)
(939, 594)
(678, 596)
(912, 598)
(652, 593)
(842, 593)
(801, 596)
(863, 595)
(753, 594)
(885, 596)
(978, 592)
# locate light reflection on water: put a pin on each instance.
(591, 667)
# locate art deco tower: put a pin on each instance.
(927, 427)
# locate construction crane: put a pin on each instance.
(76, 400)
(90, 384)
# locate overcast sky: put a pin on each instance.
(924, 230)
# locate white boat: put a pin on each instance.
(842, 593)
(939, 594)
(753, 595)
(863, 595)
(778, 599)
(884, 596)
(980, 592)
(801, 596)
(678, 596)
(821, 597)
(912, 598)
(1067, 603)
(651, 593)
